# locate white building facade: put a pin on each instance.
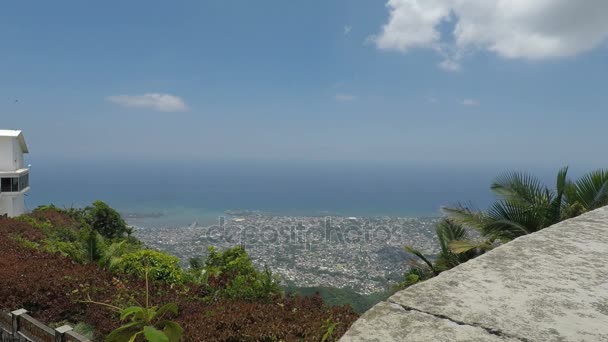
(14, 175)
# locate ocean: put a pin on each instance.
(172, 193)
(173, 204)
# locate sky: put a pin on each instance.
(467, 81)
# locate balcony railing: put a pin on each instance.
(19, 326)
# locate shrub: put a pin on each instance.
(41, 224)
(105, 220)
(161, 266)
(74, 251)
(232, 274)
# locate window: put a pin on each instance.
(14, 184)
(24, 181)
(5, 185)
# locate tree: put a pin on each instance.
(524, 206)
(158, 265)
(93, 245)
(587, 193)
(448, 233)
(231, 274)
(105, 220)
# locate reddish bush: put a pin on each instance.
(49, 285)
(55, 217)
(287, 319)
(12, 228)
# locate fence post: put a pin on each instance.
(15, 320)
(60, 333)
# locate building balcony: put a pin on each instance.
(14, 182)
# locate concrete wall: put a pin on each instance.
(7, 158)
(12, 205)
(548, 286)
(11, 156)
(11, 159)
(17, 155)
(6, 205)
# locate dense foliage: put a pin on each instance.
(161, 266)
(105, 220)
(342, 296)
(524, 205)
(231, 274)
(53, 264)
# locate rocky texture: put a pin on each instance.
(547, 286)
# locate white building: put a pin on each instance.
(14, 176)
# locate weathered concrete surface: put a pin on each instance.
(391, 322)
(547, 286)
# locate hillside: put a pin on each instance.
(52, 286)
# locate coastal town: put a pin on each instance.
(364, 254)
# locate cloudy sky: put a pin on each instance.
(405, 80)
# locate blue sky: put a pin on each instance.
(367, 80)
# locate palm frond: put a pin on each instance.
(417, 253)
(592, 189)
(511, 219)
(464, 246)
(447, 230)
(518, 186)
(557, 204)
(465, 216)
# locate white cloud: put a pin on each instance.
(159, 102)
(470, 102)
(526, 29)
(412, 23)
(347, 30)
(344, 97)
(450, 64)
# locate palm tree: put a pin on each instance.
(450, 233)
(447, 232)
(588, 193)
(525, 205)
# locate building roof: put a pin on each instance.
(17, 135)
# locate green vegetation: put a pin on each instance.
(524, 205)
(148, 321)
(85, 330)
(160, 266)
(105, 220)
(329, 327)
(333, 296)
(221, 297)
(96, 234)
(231, 274)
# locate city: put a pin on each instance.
(364, 254)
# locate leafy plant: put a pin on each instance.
(524, 206)
(232, 274)
(159, 265)
(328, 327)
(85, 330)
(112, 255)
(93, 244)
(147, 321)
(105, 220)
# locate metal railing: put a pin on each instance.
(18, 326)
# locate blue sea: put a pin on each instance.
(187, 192)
